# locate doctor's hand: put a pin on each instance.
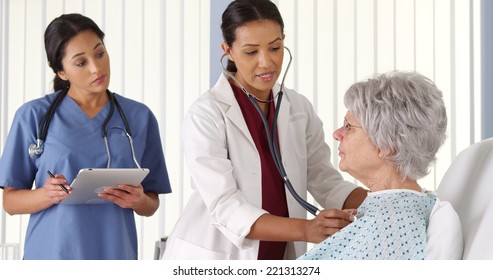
(52, 189)
(326, 223)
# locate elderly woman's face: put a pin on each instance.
(359, 156)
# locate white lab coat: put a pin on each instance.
(226, 175)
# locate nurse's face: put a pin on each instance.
(86, 65)
(258, 54)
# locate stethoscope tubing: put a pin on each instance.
(271, 137)
(45, 123)
(274, 149)
(35, 150)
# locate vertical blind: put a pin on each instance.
(160, 55)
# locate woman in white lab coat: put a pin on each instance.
(239, 208)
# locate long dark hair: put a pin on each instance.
(240, 12)
(58, 33)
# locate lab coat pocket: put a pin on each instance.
(184, 250)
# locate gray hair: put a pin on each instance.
(402, 112)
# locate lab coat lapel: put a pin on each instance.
(225, 94)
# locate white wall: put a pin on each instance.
(160, 55)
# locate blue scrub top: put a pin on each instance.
(74, 141)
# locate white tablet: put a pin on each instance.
(92, 181)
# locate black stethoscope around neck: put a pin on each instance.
(37, 149)
(271, 135)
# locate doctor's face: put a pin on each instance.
(86, 64)
(258, 52)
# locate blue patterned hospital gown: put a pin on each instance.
(391, 224)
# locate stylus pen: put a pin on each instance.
(61, 186)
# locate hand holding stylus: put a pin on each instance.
(61, 186)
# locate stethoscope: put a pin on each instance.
(36, 149)
(271, 136)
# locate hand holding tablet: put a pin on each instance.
(92, 181)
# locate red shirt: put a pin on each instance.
(273, 191)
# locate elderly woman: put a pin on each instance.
(394, 126)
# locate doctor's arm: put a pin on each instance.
(274, 228)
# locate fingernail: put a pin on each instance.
(350, 216)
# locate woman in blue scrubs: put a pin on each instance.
(76, 52)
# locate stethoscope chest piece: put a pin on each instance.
(36, 149)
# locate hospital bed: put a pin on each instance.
(468, 186)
